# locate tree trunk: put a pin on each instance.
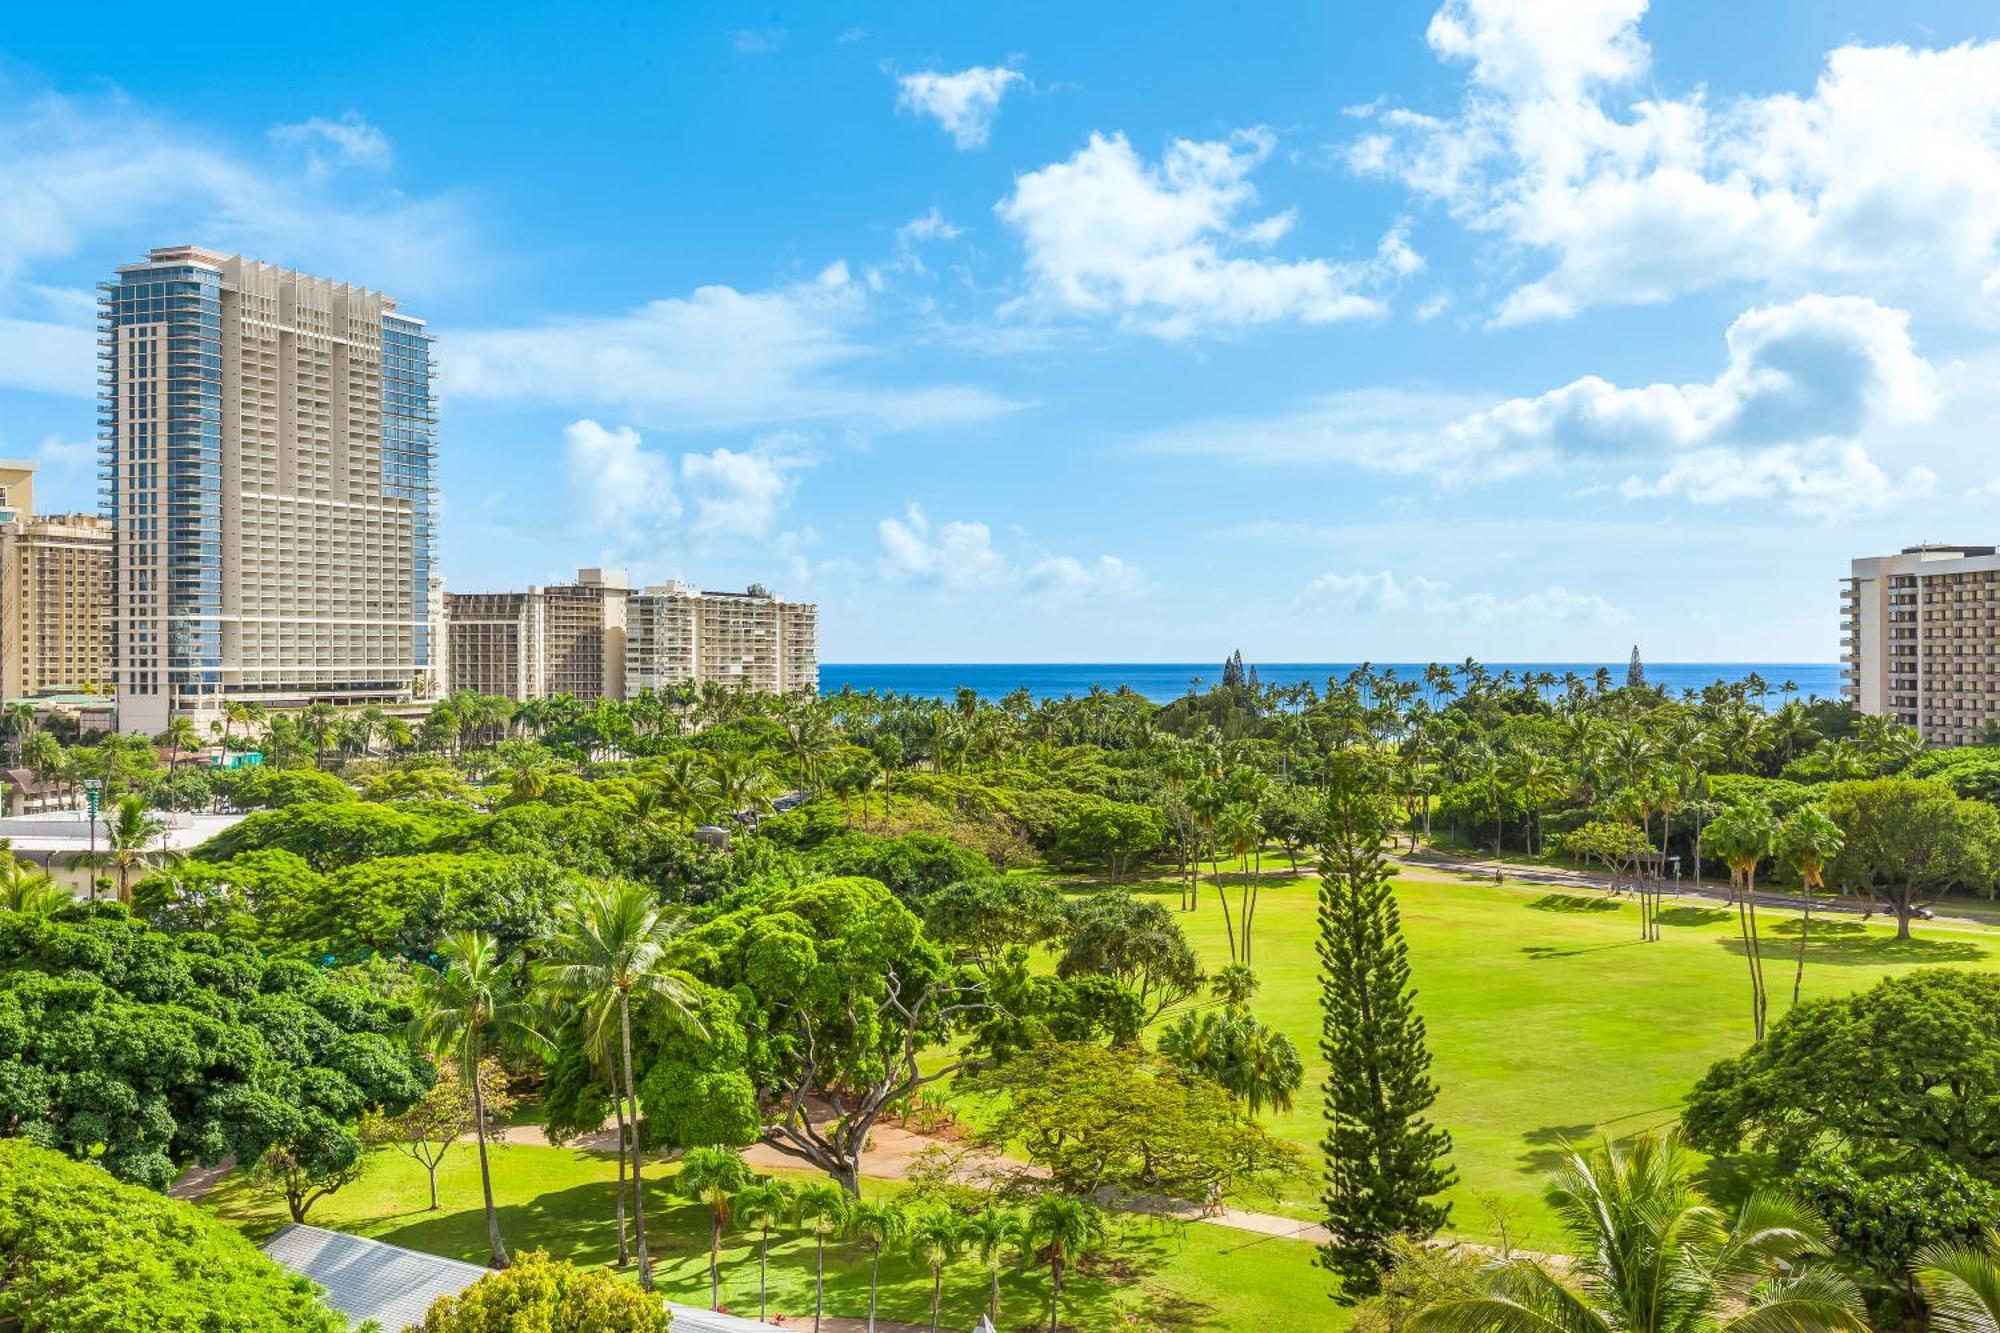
(993, 1296)
(714, 1260)
(1055, 1294)
(937, 1290)
(1904, 911)
(763, 1274)
(498, 1256)
(433, 1169)
(819, 1278)
(1222, 896)
(632, 1114)
(1805, 927)
(874, 1271)
(624, 1239)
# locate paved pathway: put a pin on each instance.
(197, 1181)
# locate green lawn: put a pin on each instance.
(1549, 1019)
(1157, 1276)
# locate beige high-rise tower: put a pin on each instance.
(747, 640)
(566, 638)
(55, 594)
(269, 444)
(1921, 639)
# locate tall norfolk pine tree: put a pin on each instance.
(1384, 1160)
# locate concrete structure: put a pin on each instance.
(268, 443)
(1921, 641)
(746, 640)
(371, 1279)
(55, 594)
(567, 638)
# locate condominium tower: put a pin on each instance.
(268, 445)
(55, 594)
(1921, 642)
(746, 640)
(566, 638)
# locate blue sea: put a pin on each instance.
(1161, 681)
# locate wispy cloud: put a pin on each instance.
(963, 104)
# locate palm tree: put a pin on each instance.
(1742, 835)
(877, 1224)
(1239, 830)
(180, 735)
(1961, 1284)
(27, 889)
(713, 1176)
(20, 723)
(1652, 1256)
(1806, 841)
(763, 1204)
(935, 1238)
(1059, 1231)
(822, 1210)
(130, 839)
(611, 946)
(990, 1233)
(463, 1013)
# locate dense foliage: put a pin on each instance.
(82, 1253)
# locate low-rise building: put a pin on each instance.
(1921, 639)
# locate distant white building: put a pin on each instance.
(1920, 639)
(747, 640)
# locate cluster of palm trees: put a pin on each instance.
(609, 956)
(1054, 1233)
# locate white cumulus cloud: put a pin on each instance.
(1166, 247)
(717, 357)
(1380, 592)
(963, 104)
(331, 143)
(616, 484)
(742, 493)
(1804, 382)
(1886, 171)
(961, 554)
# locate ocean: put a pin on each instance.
(1161, 681)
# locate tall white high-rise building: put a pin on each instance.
(1921, 639)
(269, 448)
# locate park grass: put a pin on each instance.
(1156, 1275)
(1549, 1020)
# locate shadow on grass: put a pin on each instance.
(576, 1224)
(1551, 951)
(1546, 1148)
(1691, 916)
(1827, 944)
(1574, 902)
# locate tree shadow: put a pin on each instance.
(1546, 1148)
(1551, 951)
(1691, 916)
(1864, 948)
(1574, 902)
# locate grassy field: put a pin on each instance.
(1549, 1019)
(1157, 1276)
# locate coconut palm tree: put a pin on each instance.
(763, 1204)
(610, 948)
(712, 1177)
(822, 1209)
(1239, 830)
(1650, 1255)
(132, 842)
(19, 719)
(463, 1013)
(1961, 1284)
(27, 889)
(1743, 835)
(877, 1224)
(935, 1238)
(1059, 1231)
(179, 736)
(989, 1233)
(1806, 841)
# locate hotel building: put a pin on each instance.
(1921, 641)
(55, 594)
(566, 638)
(268, 443)
(747, 640)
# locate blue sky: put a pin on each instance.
(1108, 332)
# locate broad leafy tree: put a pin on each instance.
(1908, 841)
(553, 1294)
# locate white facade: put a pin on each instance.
(746, 640)
(1921, 640)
